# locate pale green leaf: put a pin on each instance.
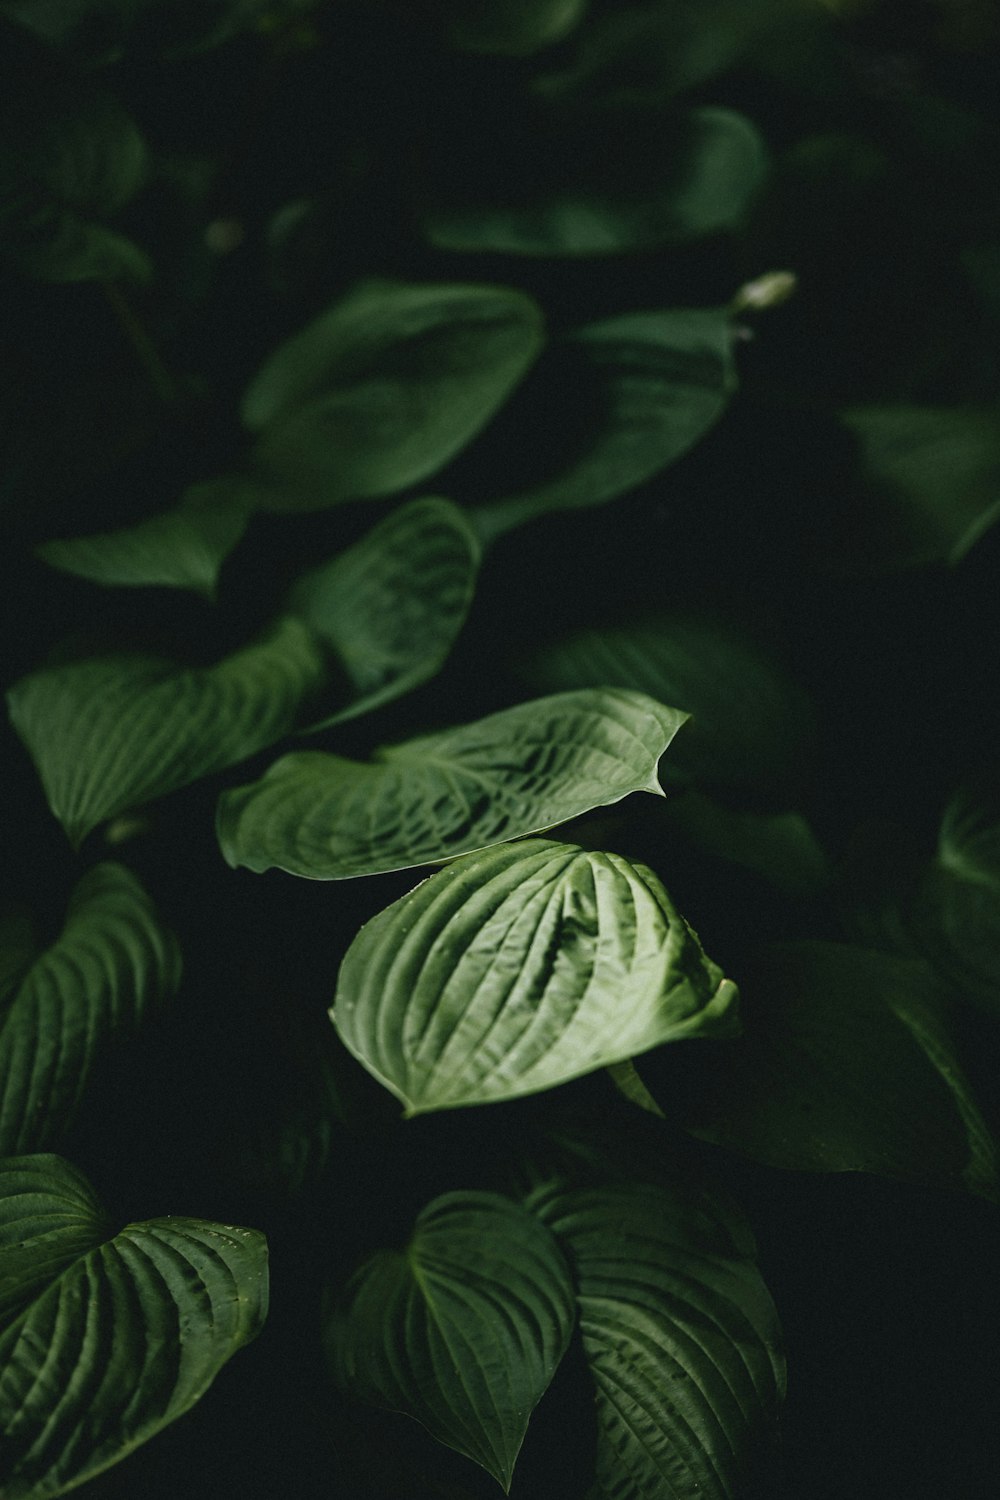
(182, 548)
(103, 1342)
(513, 773)
(111, 733)
(680, 1334)
(652, 385)
(519, 968)
(750, 724)
(384, 388)
(845, 1065)
(391, 606)
(111, 964)
(463, 1329)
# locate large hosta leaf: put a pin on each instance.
(845, 1065)
(750, 724)
(391, 606)
(680, 1335)
(463, 1329)
(648, 386)
(513, 773)
(112, 962)
(182, 548)
(104, 1341)
(113, 732)
(384, 387)
(623, 178)
(519, 968)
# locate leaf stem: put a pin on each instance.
(142, 344)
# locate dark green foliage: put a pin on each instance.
(501, 564)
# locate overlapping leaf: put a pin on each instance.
(680, 1335)
(104, 1341)
(111, 964)
(519, 968)
(845, 1065)
(463, 1329)
(384, 387)
(749, 721)
(391, 606)
(182, 548)
(111, 733)
(650, 385)
(512, 773)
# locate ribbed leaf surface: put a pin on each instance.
(121, 1337)
(112, 962)
(519, 968)
(114, 732)
(464, 1329)
(513, 773)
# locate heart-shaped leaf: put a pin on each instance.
(114, 732)
(391, 606)
(464, 1329)
(638, 391)
(104, 1341)
(750, 724)
(680, 1334)
(111, 964)
(182, 548)
(513, 773)
(625, 177)
(384, 387)
(519, 968)
(845, 1065)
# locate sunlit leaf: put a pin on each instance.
(463, 1329)
(104, 1341)
(112, 963)
(845, 1064)
(519, 968)
(391, 606)
(516, 772)
(384, 387)
(680, 1334)
(114, 732)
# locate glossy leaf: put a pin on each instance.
(464, 1329)
(680, 1334)
(519, 968)
(750, 724)
(391, 607)
(183, 548)
(845, 1065)
(111, 733)
(621, 179)
(105, 1341)
(113, 962)
(384, 387)
(516, 772)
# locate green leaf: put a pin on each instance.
(391, 607)
(650, 384)
(384, 387)
(105, 1341)
(680, 1334)
(516, 772)
(619, 179)
(519, 968)
(183, 548)
(68, 155)
(464, 1329)
(750, 725)
(506, 27)
(113, 962)
(845, 1065)
(111, 733)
